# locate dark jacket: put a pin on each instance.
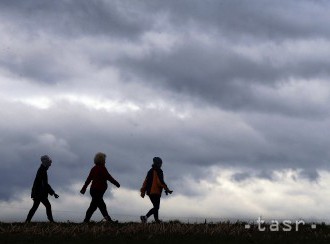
(41, 188)
(99, 176)
(154, 182)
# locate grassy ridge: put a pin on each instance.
(169, 232)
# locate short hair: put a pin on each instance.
(99, 158)
(45, 158)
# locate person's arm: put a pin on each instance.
(147, 183)
(144, 188)
(37, 181)
(49, 189)
(52, 192)
(111, 179)
(87, 182)
(161, 179)
(33, 192)
(162, 182)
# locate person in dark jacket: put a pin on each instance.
(41, 189)
(153, 186)
(99, 176)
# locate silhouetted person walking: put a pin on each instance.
(41, 189)
(153, 185)
(99, 176)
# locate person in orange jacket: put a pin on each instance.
(153, 186)
(99, 176)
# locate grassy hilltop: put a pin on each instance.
(169, 232)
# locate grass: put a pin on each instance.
(168, 232)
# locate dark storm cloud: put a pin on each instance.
(41, 68)
(224, 75)
(217, 73)
(241, 176)
(225, 78)
(76, 18)
(43, 32)
(256, 19)
(312, 175)
(220, 73)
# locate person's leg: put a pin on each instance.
(34, 208)
(46, 203)
(156, 203)
(101, 204)
(151, 212)
(91, 209)
(155, 200)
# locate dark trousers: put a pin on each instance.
(155, 199)
(97, 202)
(36, 203)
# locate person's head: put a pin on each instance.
(99, 158)
(46, 161)
(157, 162)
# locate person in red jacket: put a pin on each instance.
(41, 189)
(99, 176)
(153, 186)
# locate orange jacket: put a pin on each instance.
(154, 182)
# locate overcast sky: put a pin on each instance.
(233, 95)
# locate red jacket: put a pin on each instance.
(99, 176)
